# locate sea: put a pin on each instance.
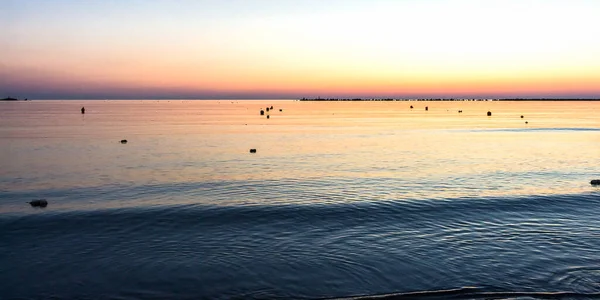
(341, 200)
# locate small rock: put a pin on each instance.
(252, 150)
(595, 182)
(38, 203)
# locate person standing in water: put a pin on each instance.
(83, 110)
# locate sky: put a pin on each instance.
(285, 49)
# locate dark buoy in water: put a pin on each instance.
(595, 182)
(521, 116)
(123, 141)
(38, 203)
(252, 150)
(262, 112)
(426, 107)
(83, 110)
(489, 113)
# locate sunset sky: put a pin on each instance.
(123, 49)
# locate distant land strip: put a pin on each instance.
(447, 99)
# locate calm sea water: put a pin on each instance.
(341, 199)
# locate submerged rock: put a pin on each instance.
(38, 203)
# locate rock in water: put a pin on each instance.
(123, 141)
(39, 203)
(595, 182)
(252, 150)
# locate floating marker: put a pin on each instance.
(38, 203)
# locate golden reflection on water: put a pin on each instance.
(51, 145)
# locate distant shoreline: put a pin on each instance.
(445, 99)
(13, 99)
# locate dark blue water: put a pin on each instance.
(501, 247)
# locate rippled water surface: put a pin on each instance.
(341, 199)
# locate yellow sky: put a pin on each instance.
(321, 48)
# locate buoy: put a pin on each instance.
(267, 109)
(426, 107)
(411, 107)
(526, 122)
(595, 182)
(489, 113)
(262, 112)
(521, 116)
(123, 141)
(252, 150)
(280, 109)
(268, 116)
(38, 203)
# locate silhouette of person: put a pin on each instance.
(83, 110)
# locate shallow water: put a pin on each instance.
(341, 199)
